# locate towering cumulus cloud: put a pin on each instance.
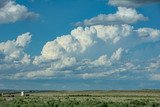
(93, 52)
(11, 12)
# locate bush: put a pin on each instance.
(137, 102)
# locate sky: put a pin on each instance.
(79, 44)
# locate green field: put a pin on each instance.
(146, 98)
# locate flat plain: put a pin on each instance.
(139, 98)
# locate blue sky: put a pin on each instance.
(98, 44)
(62, 16)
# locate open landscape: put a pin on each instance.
(79, 53)
(142, 98)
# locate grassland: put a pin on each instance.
(143, 98)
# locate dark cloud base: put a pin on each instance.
(132, 3)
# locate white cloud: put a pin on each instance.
(81, 41)
(102, 61)
(113, 33)
(23, 39)
(26, 59)
(117, 55)
(73, 52)
(11, 12)
(13, 50)
(69, 66)
(66, 62)
(123, 15)
(131, 3)
(105, 49)
(155, 77)
(90, 52)
(149, 34)
(34, 74)
(154, 65)
(111, 72)
(92, 75)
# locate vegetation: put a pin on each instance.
(83, 99)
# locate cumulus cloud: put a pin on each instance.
(13, 50)
(149, 33)
(69, 67)
(131, 3)
(123, 15)
(91, 52)
(11, 12)
(87, 52)
(107, 48)
(101, 61)
(75, 54)
(81, 40)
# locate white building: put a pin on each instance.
(22, 93)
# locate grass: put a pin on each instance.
(84, 99)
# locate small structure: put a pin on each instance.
(22, 93)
